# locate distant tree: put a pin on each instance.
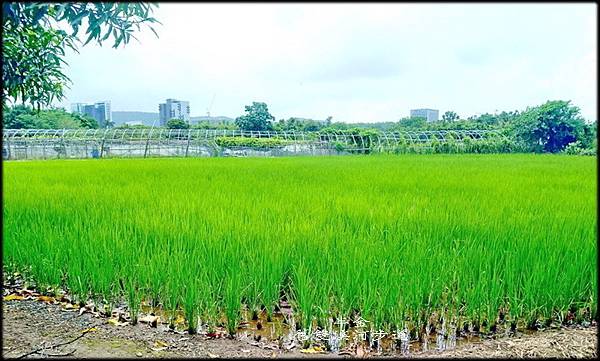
(257, 117)
(412, 122)
(487, 119)
(305, 125)
(177, 124)
(311, 125)
(86, 121)
(505, 118)
(328, 121)
(207, 125)
(460, 124)
(449, 116)
(12, 117)
(292, 124)
(550, 127)
(589, 139)
(338, 126)
(501, 119)
(25, 117)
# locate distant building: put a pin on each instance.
(100, 111)
(431, 115)
(174, 109)
(134, 122)
(77, 108)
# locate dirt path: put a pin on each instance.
(29, 325)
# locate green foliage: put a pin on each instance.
(24, 117)
(299, 124)
(485, 144)
(412, 122)
(207, 125)
(250, 142)
(339, 146)
(32, 61)
(459, 124)
(34, 42)
(495, 120)
(449, 116)
(307, 227)
(362, 141)
(576, 148)
(545, 128)
(104, 20)
(338, 126)
(176, 123)
(550, 127)
(257, 117)
(86, 121)
(365, 139)
(589, 139)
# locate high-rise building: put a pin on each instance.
(100, 111)
(103, 114)
(77, 108)
(173, 109)
(431, 115)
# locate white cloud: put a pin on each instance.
(356, 62)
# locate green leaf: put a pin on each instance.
(76, 20)
(110, 27)
(154, 31)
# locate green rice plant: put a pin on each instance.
(303, 296)
(190, 304)
(134, 298)
(232, 296)
(395, 239)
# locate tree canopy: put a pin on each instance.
(449, 116)
(34, 42)
(412, 122)
(550, 127)
(176, 123)
(257, 117)
(21, 117)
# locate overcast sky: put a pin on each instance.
(354, 62)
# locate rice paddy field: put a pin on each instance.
(408, 242)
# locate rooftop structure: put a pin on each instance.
(431, 115)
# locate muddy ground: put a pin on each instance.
(30, 325)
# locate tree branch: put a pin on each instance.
(53, 346)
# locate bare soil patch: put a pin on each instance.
(30, 325)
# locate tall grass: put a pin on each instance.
(394, 239)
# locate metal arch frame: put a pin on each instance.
(160, 138)
(15, 133)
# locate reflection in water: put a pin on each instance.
(336, 337)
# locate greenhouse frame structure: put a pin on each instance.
(18, 144)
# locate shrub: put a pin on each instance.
(576, 148)
(177, 124)
(250, 142)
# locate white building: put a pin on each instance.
(100, 111)
(173, 109)
(431, 115)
